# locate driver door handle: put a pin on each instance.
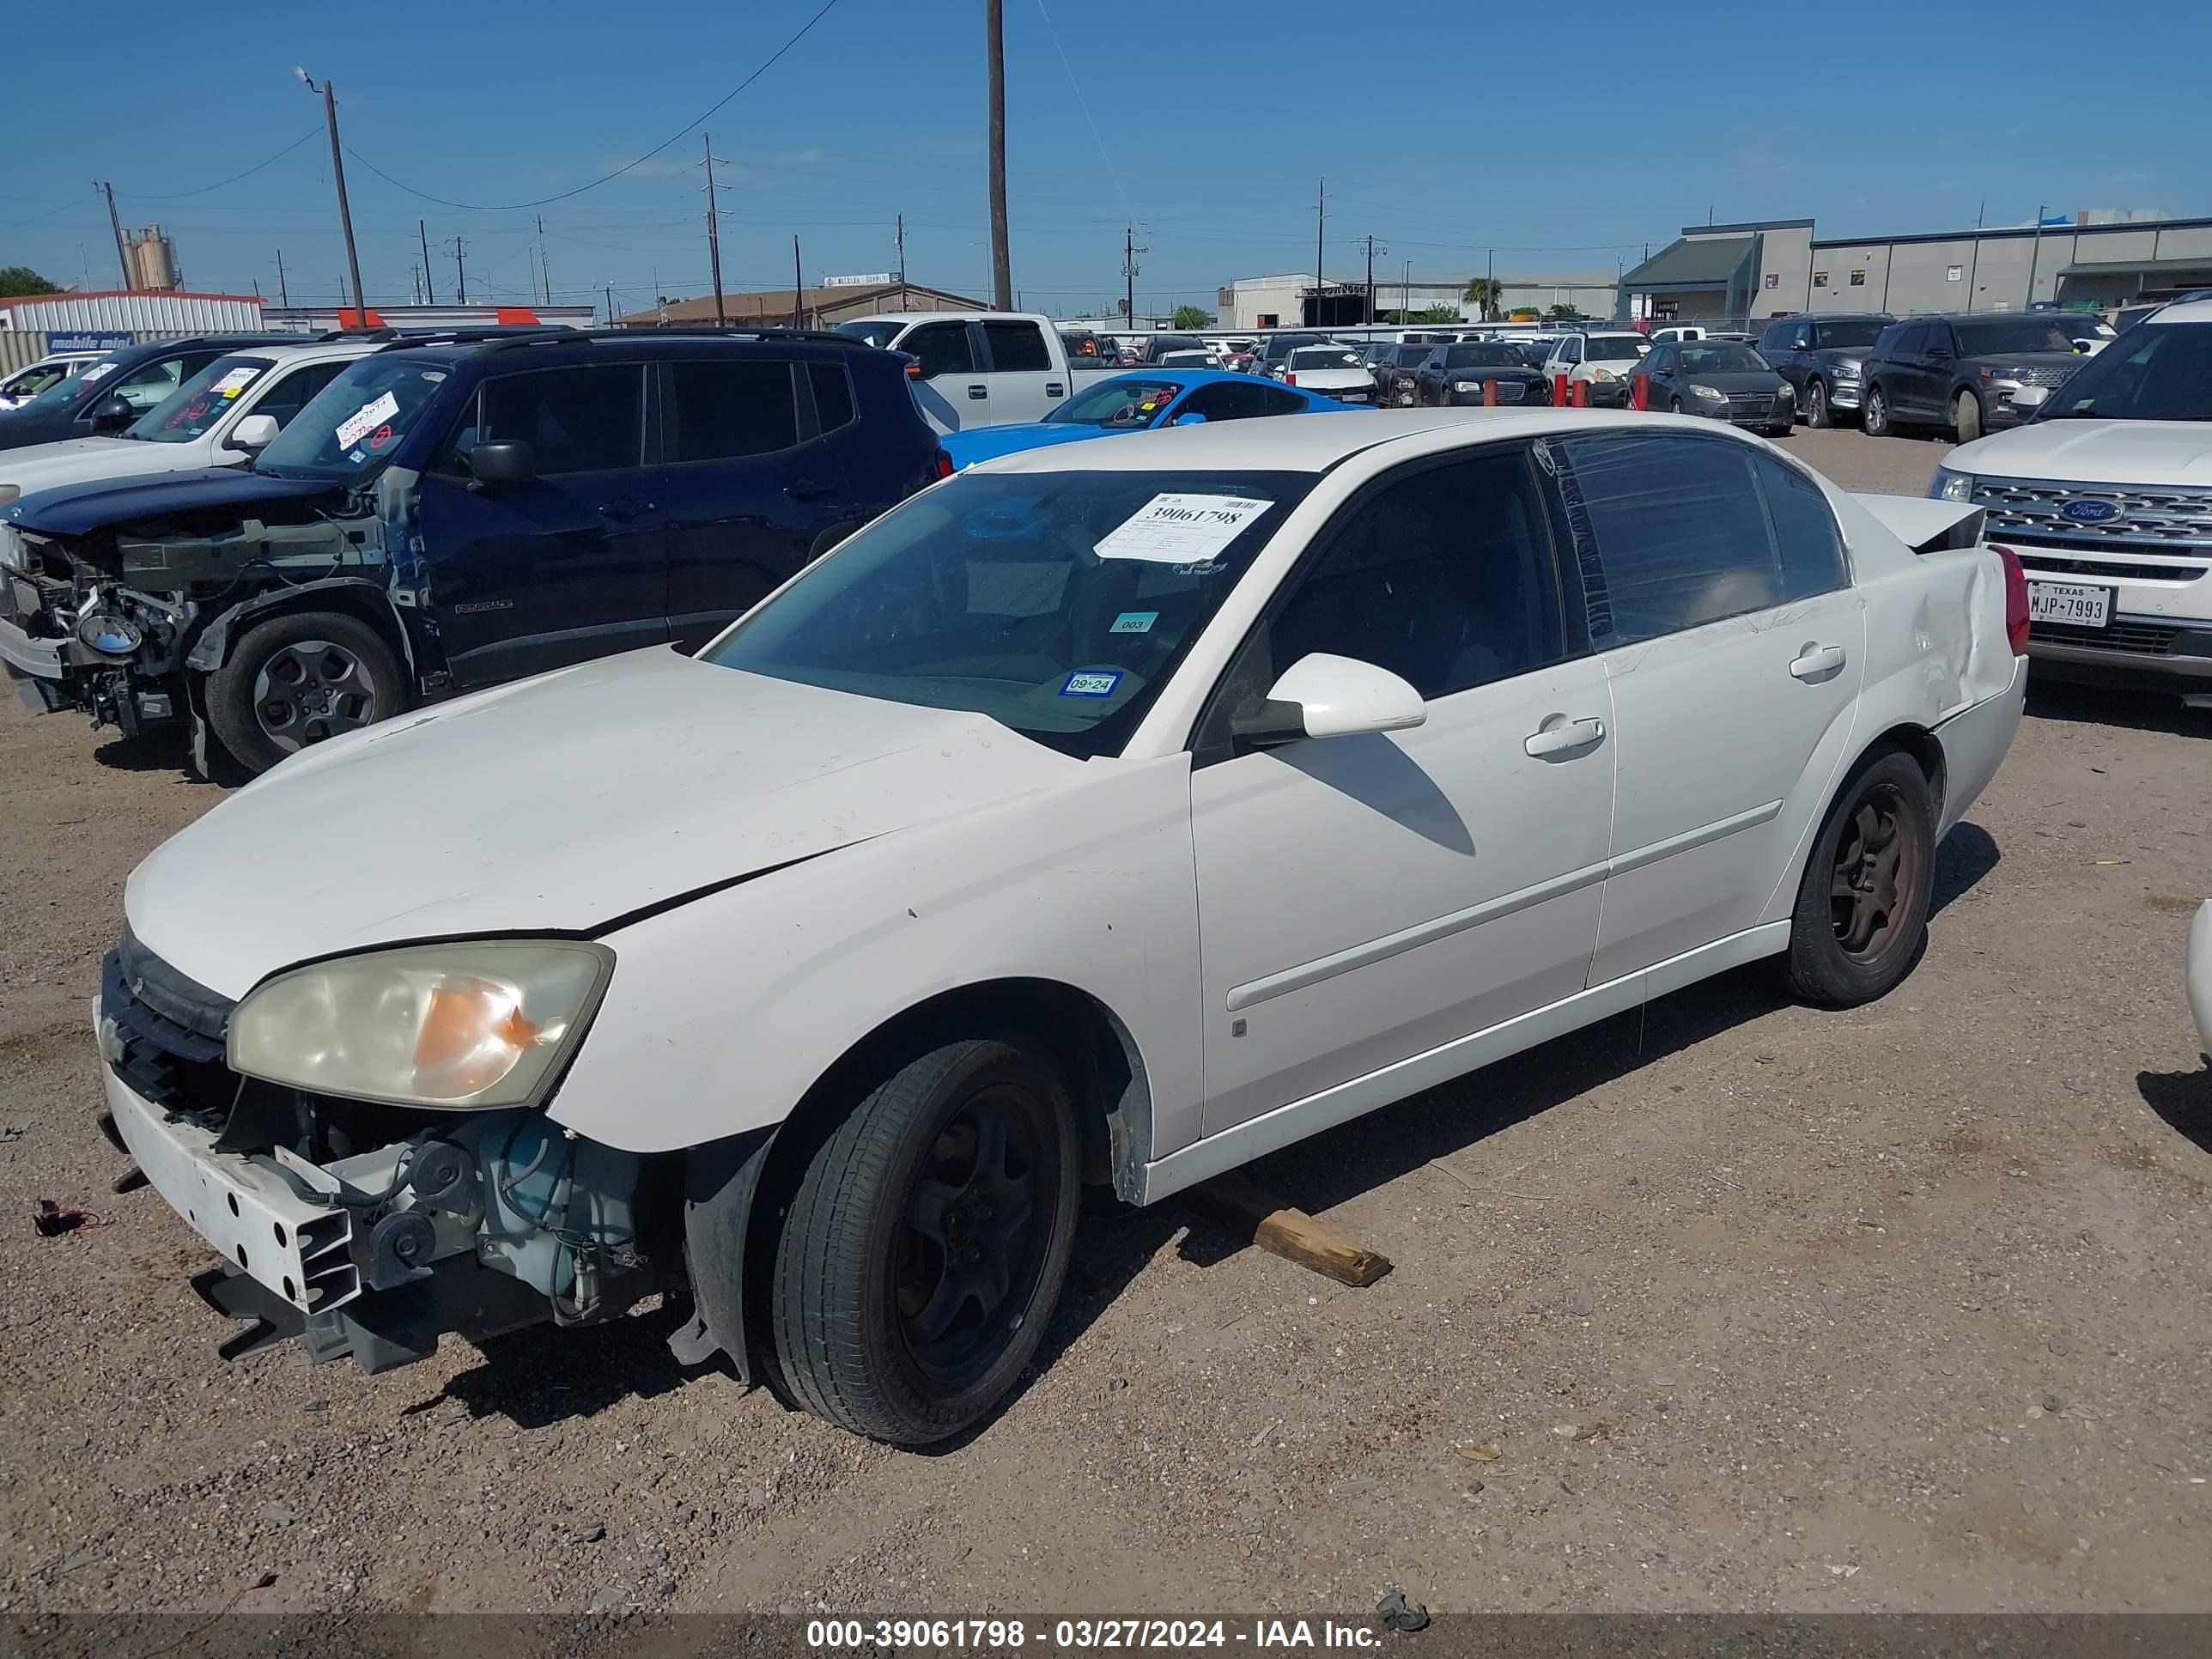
(623, 508)
(979, 392)
(1811, 665)
(1563, 738)
(804, 490)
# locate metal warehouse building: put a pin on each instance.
(1289, 301)
(1771, 267)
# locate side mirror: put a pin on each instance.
(1324, 696)
(255, 432)
(1188, 417)
(502, 461)
(111, 413)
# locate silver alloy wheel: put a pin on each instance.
(311, 689)
(1816, 404)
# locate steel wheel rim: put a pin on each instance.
(1876, 871)
(971, 1248)
(311, 689)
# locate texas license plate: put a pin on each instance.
(2070, 603)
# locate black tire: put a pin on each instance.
(1674, 405)
(1818, 410)
(354, 680)
(1874, 413)
(1967, 421)
(861, 1278)
(1862, 913)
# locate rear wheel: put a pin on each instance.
(1966, 416)
(1874, 415)
(294, 680)
(1817, 412)
(927, 1243)
(1861, 910)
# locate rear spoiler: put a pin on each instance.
(1925, 526)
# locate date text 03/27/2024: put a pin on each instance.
(1003, 1635)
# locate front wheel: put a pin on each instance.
(927, 1243)
(1816, 404)
(1861, 910)
(295, 680)
(1967, 417)
(1874, 417)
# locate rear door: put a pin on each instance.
(1910, 389)
(1734, 645)
(949, 387)
(572, 564)
(1025, 383)
(750, 483)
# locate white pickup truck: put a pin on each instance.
(980, 368)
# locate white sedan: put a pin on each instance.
(1118, 812)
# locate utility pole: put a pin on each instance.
(799, 289)
(122, 253)
(1320, 219)
(610, 305)
(1002, 273)
(460, 267)
(1406, 313)
(415, 283)
(1974, 262)
(1371, 279)
(1129, 276)
(283, 294)
(902, 262)
(713, 236)
(2034, 258)
(337, 172)
(543, 269)
(430, 289)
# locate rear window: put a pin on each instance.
(1324, 357)
(725, 411)
(1614, 348)
(877, 333)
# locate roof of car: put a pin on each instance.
(1293, 446)
(2183, 311)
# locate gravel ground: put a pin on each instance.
(1728, 1305)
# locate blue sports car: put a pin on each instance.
(1137, 401)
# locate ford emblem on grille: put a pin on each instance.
(2090, 512)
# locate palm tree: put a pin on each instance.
(1485, 292)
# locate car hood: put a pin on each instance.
(560, 804)
(2093, 453)
(84, 460)
(1734, 380)
(985, 443)
(79, 510)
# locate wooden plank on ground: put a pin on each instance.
(1291, 1234)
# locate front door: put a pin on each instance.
(570, 565)
(1736, 645)
(1025, 385)
(749, 487)
(1365, 899)
(950, 387)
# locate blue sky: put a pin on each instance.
(1213, 124)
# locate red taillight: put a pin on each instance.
(944, 465)
(1289, 379)
(2016, 580)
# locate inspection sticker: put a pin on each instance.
(366, 420)
(235, 382)
(1176, 529)
(97, 372)
(1134, 622)
(1091, 685)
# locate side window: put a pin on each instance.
(1016, 348)
(1804, 530)
(151, 383)
(721, 410)
(1273, 401)
(1940, 338)
(1681, 536)
(941, 349)
(1801, 338)
(1887, 343)
(1222, 402)
(1444, 577)
(833, 395)
(289, 395)
(1661, 361)
(579, 419)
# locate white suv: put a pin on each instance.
(1603, 363)
(223, 416)
(2106, 493)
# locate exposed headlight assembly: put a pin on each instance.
(1949, 486)
(463, 1027)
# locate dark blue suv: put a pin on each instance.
(120, 388)
(451, 513)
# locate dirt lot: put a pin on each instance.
(1759, 1307)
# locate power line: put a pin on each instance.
(1084, 104)
(179, 195)
(543, 201)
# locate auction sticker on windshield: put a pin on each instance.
(1178, 529)
(235, 382)
(367, 419)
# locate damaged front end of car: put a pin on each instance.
(365, 1229)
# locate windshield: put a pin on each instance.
(349, 428)
(1057, 604)
(65, 391)
(2161, 372)
(1122, 403)
(878, 332)
(1614, 349)
(30, 382)
(1721, 359)
(2010, 337)
(1489, 355)
(1836, 336)
(194, 407)
(1324, 357)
